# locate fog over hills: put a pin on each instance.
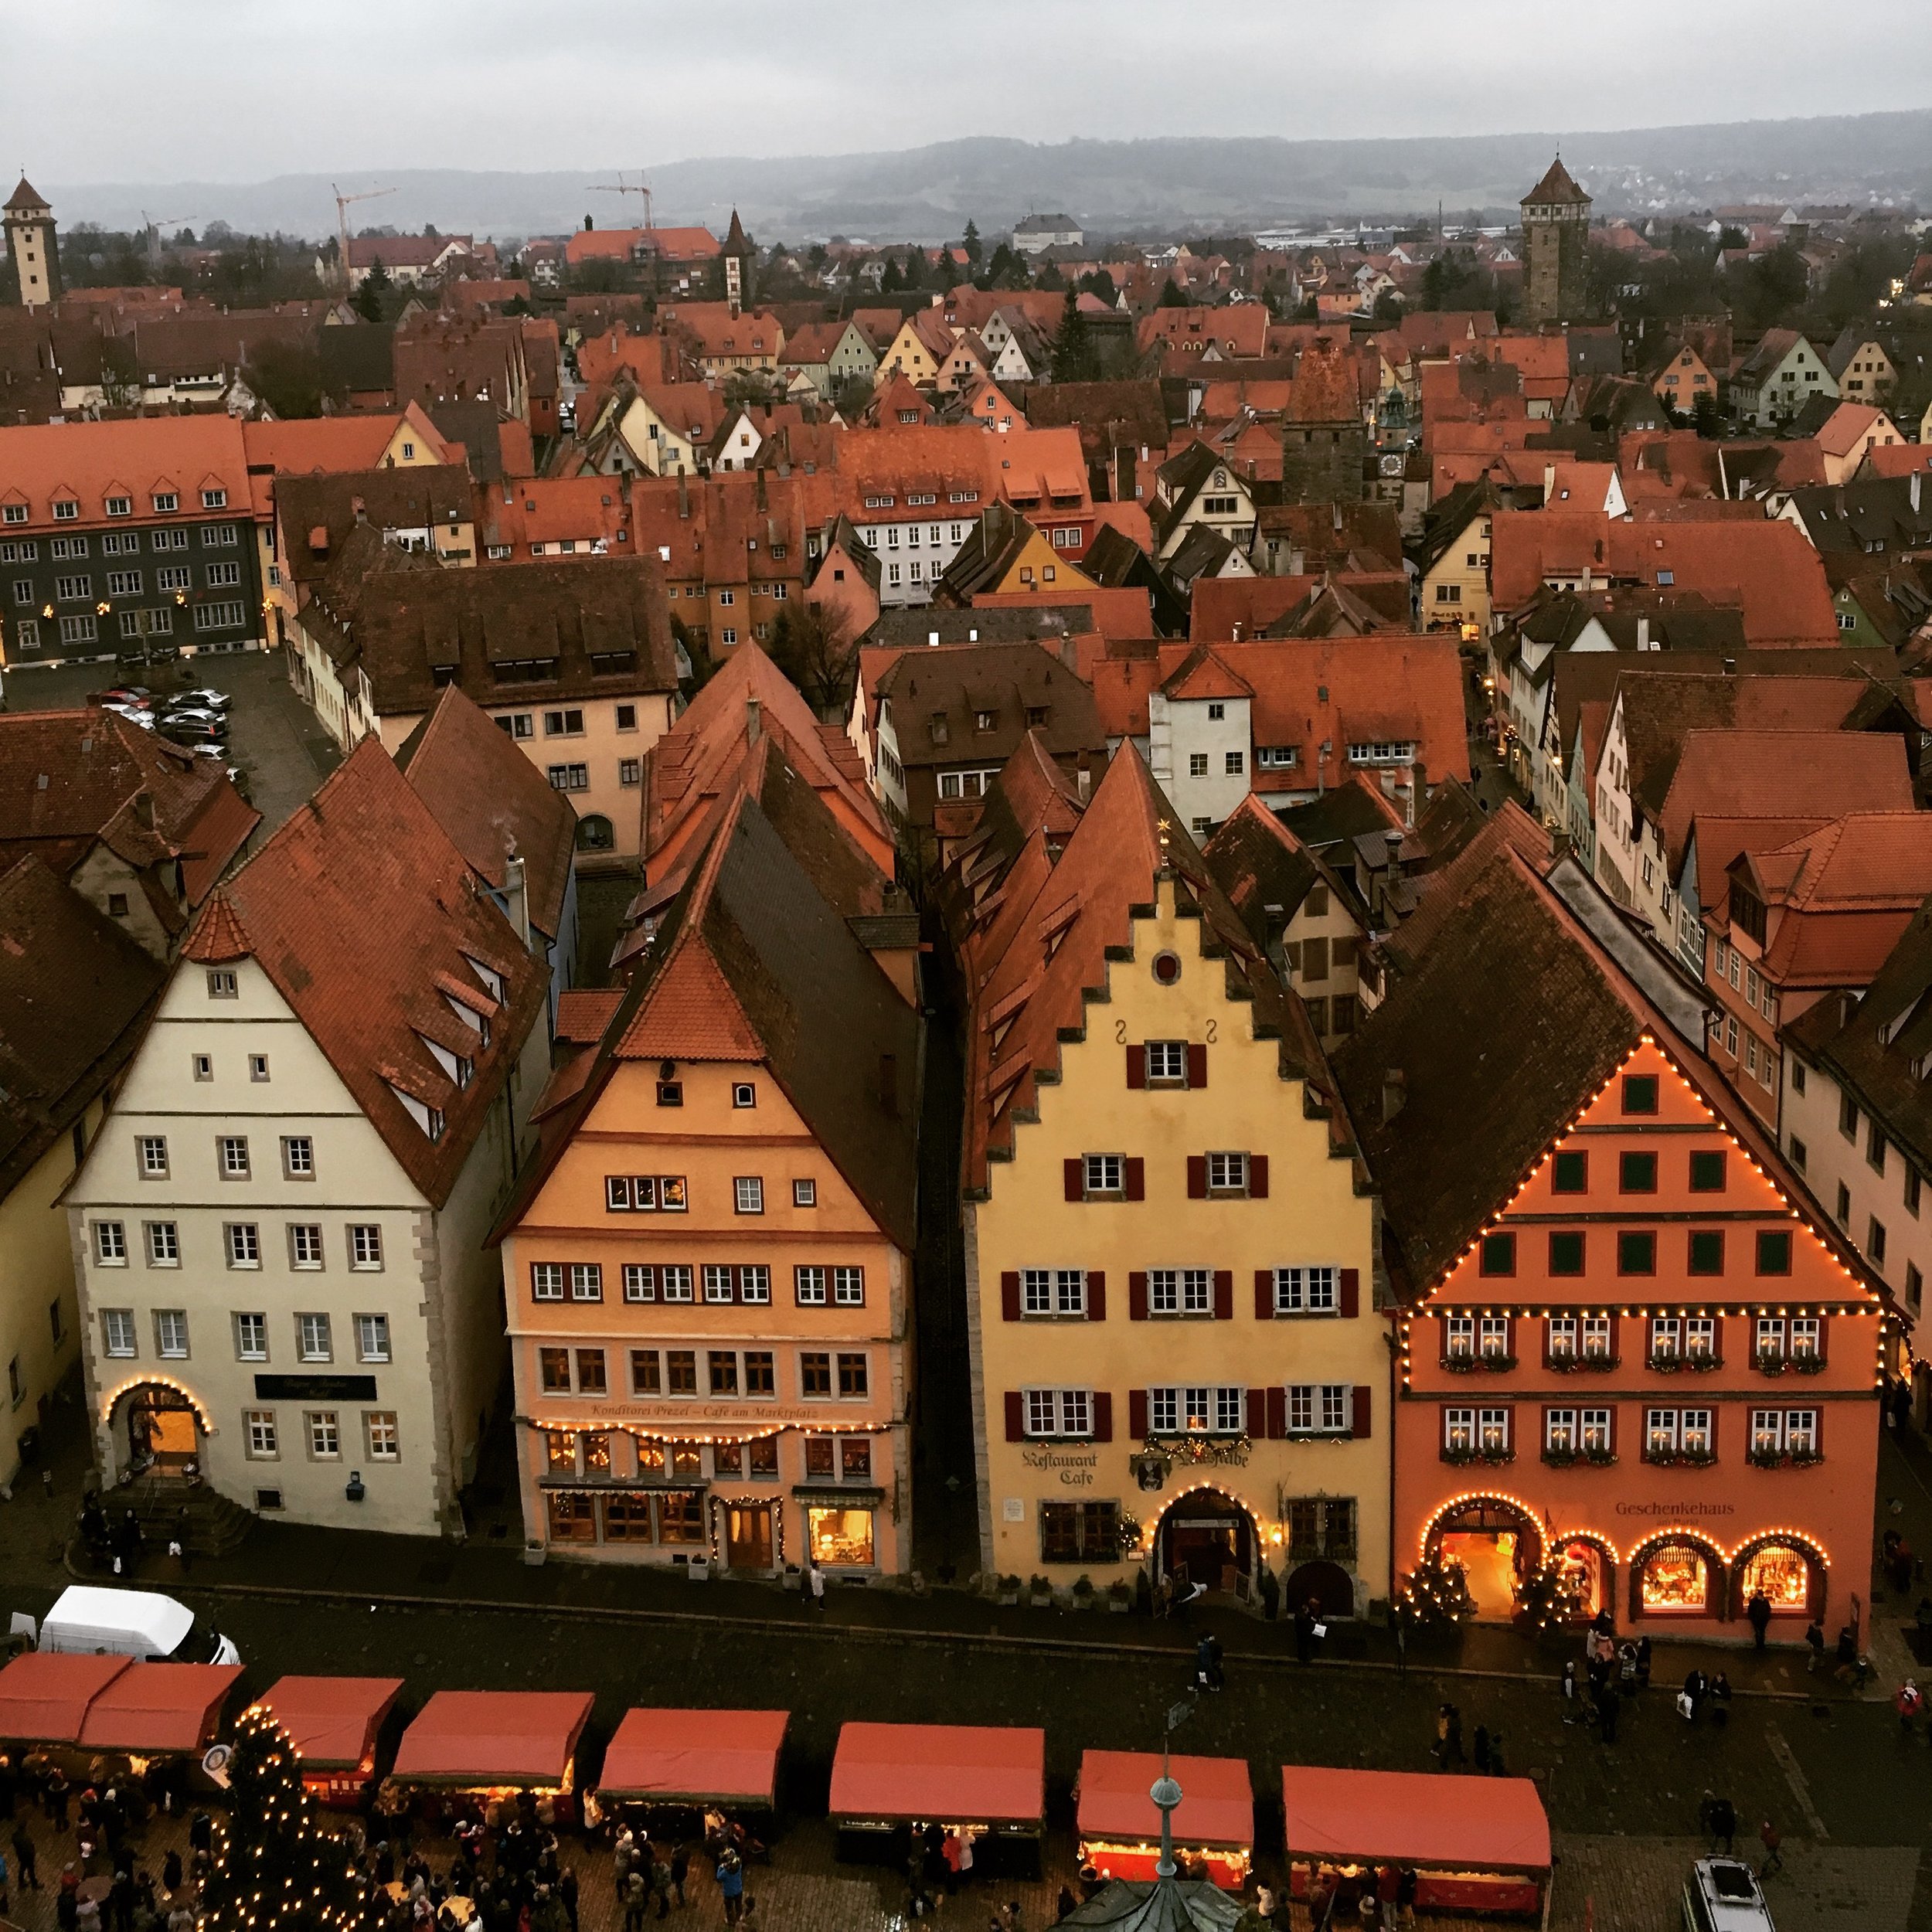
(1110, 186)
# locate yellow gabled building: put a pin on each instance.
(1178, 1363)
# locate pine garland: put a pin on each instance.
(275, 1868)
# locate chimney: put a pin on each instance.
(754, 721)
(684, 496)
(1395, 1090)
(888, 1085)
(1643, 634)
(361, 509)
(516, 894)
(1083, 776)
(145, 809)
(1918, 478)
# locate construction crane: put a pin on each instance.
(623, 187)
(343, 202)
(151, 229)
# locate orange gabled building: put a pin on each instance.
(1631, 1354)
(697, 763)
(708, 1270)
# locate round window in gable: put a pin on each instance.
(1167, 968)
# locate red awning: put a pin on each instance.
(44, 1694)
(159, 1707)
(1216, 1807)
(494, 1737)
(689, 1756)
(332, 1721)
(958, 1774)
(1415, 1818)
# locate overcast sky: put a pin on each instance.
(133, 90)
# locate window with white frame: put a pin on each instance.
(1167, 1061)
(640, 1281)
(231, 1154)
(110, 1244)
(717, 1281)
(1103, 1173)
(1560, 1338)
(1493, 1336)
(1678, 1432)
(749, 1190)
(1596, 1338)
(170, 1334)
(1594, 1430)
(754, 1284)
(1492, 1430)
(1196, 1411)
(381, 1434)
(312, 1340)
(546, 1281)
(1052, 1291)
(1317, 1408)
(1461, 1339)
(1768, 1338)
(1180, 1290)
(1058, 1412)
(298, 1157)
(251, 1338)
(324, 1435)
(151, 1151)
(1307, 1290)
(1227, 1173)
(118, 1332)
(164, 1244)
(364, 1245)
(1806, 1335)
(587, 1281)
(1459, 1431)
(677, 1280)
(809, 1285)
(371, 1337)
(304, 1244)
(264, 1441)
(1666, 1338)
(1700, 1338)
(1559, 1432)
(244, 1243)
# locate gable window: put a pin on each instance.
(1167, 1063)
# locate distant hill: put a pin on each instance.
(1113, 187)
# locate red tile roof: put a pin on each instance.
(365, 917)
(86, 462)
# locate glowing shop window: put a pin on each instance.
(1676, 1578)
(842, 1536)
(1783, 1575)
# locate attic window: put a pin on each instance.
(214, 499)
(1666, 578)
(66, 511)
(491, 979)
(166, 502)
(120, 506)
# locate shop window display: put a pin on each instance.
(680, 1517)
(1783, 1574)
(1676, 1577)
(573, 1517)
(627, 1519)
(843, 1537)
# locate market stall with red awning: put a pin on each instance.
(495, 1742)
(44, 1694)
(695, 1757)
(1476, 1844)
(978, 1779)
(150, 1708)
(334, 1722)
(1119, 1828)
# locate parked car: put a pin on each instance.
(205, 694)
(123, 694)
(1722, 1895)
(196, 736)
(145, 719)
(194, 714)
(87, 1620)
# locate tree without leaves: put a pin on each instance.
(809, 643)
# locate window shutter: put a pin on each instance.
(1136, 1297)
(1277, 1415)
(1264, 1294)
(1136, 1178)
(1224, 1294)
(1818, 1428)
(1257, 1177)
(1009, 1295)
(1509, 1337)
(1196, 1065)
(1509, 1423)
(1102, 1415)
(1074, 1173)
(1616, 1410)
(1616, 1338)
(1545, 1328)
(1137, 1414)
(1137, 1066)
(1824, 1338)
(1257, 1412)
(1360, 1412)
(1096, 1295)
(1351, 1297)
(1197, 1177)
(1016, 1416)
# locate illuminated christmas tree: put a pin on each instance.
(276, 1870)
(1438, 1592)
(1548, 1598)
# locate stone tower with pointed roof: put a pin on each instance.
(1555, 222)
(740, 261)
(33, 246)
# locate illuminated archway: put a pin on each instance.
(164, 1426)
(1678, 1572)
(1790, 1567)
(1208, 1535)
(1496, 1539)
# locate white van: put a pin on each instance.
(1722, 1895)
(87, 1621)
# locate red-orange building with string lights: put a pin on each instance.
(1632, 1358)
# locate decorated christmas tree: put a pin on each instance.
(1438, 1592)
(276, 1870)
(1548, 1598)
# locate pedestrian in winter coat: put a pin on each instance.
(1606, 1725)
(636, 1899)
(731, 1883)
(1908, 1704)
(23, 1859)
(680, 1871)
(1757, 1614)
(1304, 1633)
(1813, 1646)
(1479, 1755)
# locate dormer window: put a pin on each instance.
(214, 499)
(984, 720)
(66, 510)
(166, 502)
(120, 506)
(940, 731)
(491, 979)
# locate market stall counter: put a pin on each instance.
(1119, 1828)
(986, 1784)
(159, 1710)
(334, 1724)
(1475, 1844)
(45, 1694)
(488, 1746)
(695, 1758)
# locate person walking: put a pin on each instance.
(637, 1900)
(1607, 1709)
(731, 1883)
(1813, 1646)
(1305, 1631)
(1769, 1837)
(23, 1857)
(1479, 1754)
(1908, 1703)
(1568, 1692)
(1757, 1614)
(815, 1583)
(1718, 1818)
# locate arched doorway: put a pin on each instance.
(1789, 1569)
(1678, 1573)
(1328, 1584)
(1495, 1542)
(595, 833)
(1589, 1569)
(1205, 1538)
(161, 1431)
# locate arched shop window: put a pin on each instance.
(1791, 1575)
(1677, 1578)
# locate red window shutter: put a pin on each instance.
(1073, 1175)
(1264, 1294)
(1545, 1329)
(1137, 1414)
(1616, 1338)
(1509, 1423)
(1136, 1297)
(1009, 1295)
(1716, 1412)
(1136, 1178)
(1351, 1296)
(1824, 1338)
(1818, 1429)
(1358, 1422)
(1137, 1066)
(1277, 1415)
(1258, 1418)
(1016, 1416)
(1197, 1177)
(1224, 1294)
(1616, 1410)
(1509, 1338)
(1102, 1415)
(1257, 1177)
(1196, 1065)
(1096, 1295)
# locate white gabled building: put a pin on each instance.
(279, 1231)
